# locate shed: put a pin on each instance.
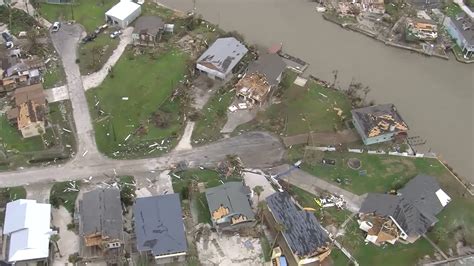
(123, 13)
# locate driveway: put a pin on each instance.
(310, 183)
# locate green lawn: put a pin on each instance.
(149, 116)
(303, 110)
(20, 20)
(54, 76)
(93, 55)
(59, 195)
(338, 258)
(127, 187)
(89, 13)
(266, 248)
(452, 10)
(213, 117)
(11, 138)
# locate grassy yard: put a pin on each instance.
(303, 110)
(11, 138)
(213, 117)
(88, 13)
(452, 10)
(60, 195)
(93, 55)
(133, 108)
(54, 76)
(127, 187)
(266, 248)
(20, 20)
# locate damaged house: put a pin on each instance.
(229, 205)
(406, 216)
(421, 30)
(221, 57)
(159, 228)
(262, 76)
(301, 238)
(100, 224)
(147, 30)
(29, 113)
(379, 123)
(15, 73)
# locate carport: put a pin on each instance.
(123, 13)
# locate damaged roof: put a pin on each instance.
(414, 208)
(223, 55)
(253, 85)
(231, 195)
(302, 231)
(270, 65)
(29, 112)
(379, 119)
(33, 93)
(101, 212)
(159, 225)
(150, 25)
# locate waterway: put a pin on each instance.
(434, 96)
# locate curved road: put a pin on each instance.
(256, 149)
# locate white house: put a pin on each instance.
(123, 13)
(27, 228)
(223, 55)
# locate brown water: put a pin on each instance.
(434, 96)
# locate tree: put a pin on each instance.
(55, 238)
(258, 190)
(280, 228)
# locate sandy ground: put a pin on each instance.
(95, 79)
(39, 192)
(69, 241)
(185, 141)
(57, 94)
(229, 250)
(152, 184)
(257, 179)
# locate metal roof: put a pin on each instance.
(302, 231)
(223, 55)
(159, 226)
(101, 212)
(232, 195)
(123, 9)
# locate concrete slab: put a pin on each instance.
(300, 81)
(253, 179)
(57, 94)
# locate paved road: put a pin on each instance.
(311, 184)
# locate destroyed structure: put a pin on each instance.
(159, 228)
(406, 216)
(229, 205)
(27, 231)
(147, 30)
(15, 73)
(421, 30)
(100, 224)
(30, 110)
(220, 59)
(461, 29)
(301, 238)
(262, 76)
(379, 123)
(123, 13)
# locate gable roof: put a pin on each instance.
(414, 208)
(231, 195)
(33, 93)
(379, 119)
(28, 224)
(270, 65)
(101, 212)
(303, 233)
(122, 9)
(159, 225)
(223, 55)
(149, 24)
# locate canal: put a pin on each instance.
(435, 96)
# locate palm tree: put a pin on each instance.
(258, 190)
(280, 228)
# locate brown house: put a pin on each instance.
(148, 30)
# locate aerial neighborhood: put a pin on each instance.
(132, 133)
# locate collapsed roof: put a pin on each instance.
(379, 120)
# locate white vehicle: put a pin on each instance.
(114, 34)
(9, 45)
(56, 26)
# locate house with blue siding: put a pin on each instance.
(379, 123)
(461, 29)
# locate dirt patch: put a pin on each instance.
(354, 163)
(68, 242)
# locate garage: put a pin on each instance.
(123, 13)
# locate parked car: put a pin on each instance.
(89, 38)
(56, 26)
(9, 45)
(7, 37)
(328, 161)
(114, 34)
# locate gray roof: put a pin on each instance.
(232, 195)
(223, 55)
(101, 212)
(302, 231)
(270, 65)
(149, 24)
(159, 226)
(370, 117)
(465, 26)
(414, 208)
